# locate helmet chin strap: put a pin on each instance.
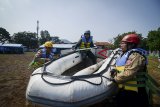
(131, 46)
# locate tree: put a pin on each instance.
(4, 35)
(154, 39)
(118, 39)
(144, 43)
(26, 38)
(56, 39)
(45, 36)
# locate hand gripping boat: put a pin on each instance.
(49, 87)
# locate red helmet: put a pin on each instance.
(131, 38)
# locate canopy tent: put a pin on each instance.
(11, 48)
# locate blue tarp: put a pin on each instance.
(11, 48)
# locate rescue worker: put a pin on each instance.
(86, 41)
(131, 62)
(44, 55)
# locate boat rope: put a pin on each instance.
(48, 63)
(81, 77)
(72, 79)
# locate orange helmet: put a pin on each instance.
(131, 38)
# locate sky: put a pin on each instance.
(69, 19)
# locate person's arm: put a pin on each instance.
(92, 44)
(38, 54)
(38, 57)
(78, 44)
(57, 53)
(134, 63)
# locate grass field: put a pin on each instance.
(154, 71)
(14, 77)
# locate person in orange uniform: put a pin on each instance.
(132, 61)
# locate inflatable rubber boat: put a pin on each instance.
(48, 85)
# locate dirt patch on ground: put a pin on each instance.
(14, 77)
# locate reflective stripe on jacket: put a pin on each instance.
(50, 55)
(120, 66)
(85, 43)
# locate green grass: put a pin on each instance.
(154, 71)
(153, 64)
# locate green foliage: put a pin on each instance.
(154, 39)
(26, 38)
(4, 35)
(118, 39)
(143, 43)
(45, 36)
